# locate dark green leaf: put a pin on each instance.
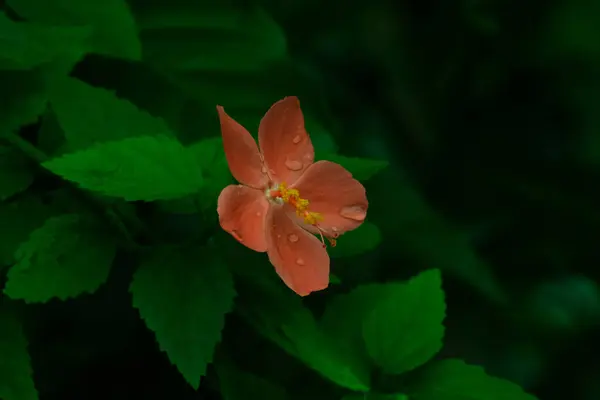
(209, 155)
(26, 45)
(454, 380)
(16, 172)
(16, 374)
(241, 385)
(89, 115)
(405, 329)
(194, 36)
(361, 168)
(114, 31)
(280, 317)
(421, 232)
(359, 241)
(376, 396)
(64, 258)
(343, 318)
(19, 218)
(23, 100)
(142, 168)
(183, 296)
(334, 280)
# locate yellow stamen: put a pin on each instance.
(292, 197)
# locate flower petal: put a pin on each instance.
(335, 194)
(242, 212)
(284, 142)
(299, 257)
(241, 151)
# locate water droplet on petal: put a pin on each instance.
(293, 238)
(294, 165)
(236, 235)
(278, 236)
(258, 213)
(296, 139)
(300, 261)
(356, 212)
(263, 170)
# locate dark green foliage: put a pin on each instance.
(473, 125)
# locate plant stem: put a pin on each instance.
(40, 157)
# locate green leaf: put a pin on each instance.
(190, 37)
(366, 238)
(16, 374)
(343, 318)
(405, 329)
(26, 45)
(16, 172)
(237, 384)
(142, 168)
(361, 168)
(183, 296)
(114, 31)
(89, 115)
(376, 396)
(23, 100)
(280, 317)
(66, 257)
(334, 279)
(320, 137)
(51, 138)
(19, 218)
(209, 156)
(453, 379)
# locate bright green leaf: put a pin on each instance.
(19, 218)
(183, 296)
(359, 241)
(405, 329)
(141, 168)
(334, 279)
(66, 257)
(209, 156)
(453, 379)
(16, 172)
(16, 374)
(241, 385)
(89, 115)
(279, 316)
(184, 38)
(114, 31)
(26, 45)
(361, 168)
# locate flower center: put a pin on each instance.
(281, 194)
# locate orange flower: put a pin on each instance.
(284, 198)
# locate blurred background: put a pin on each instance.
(488, 113)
